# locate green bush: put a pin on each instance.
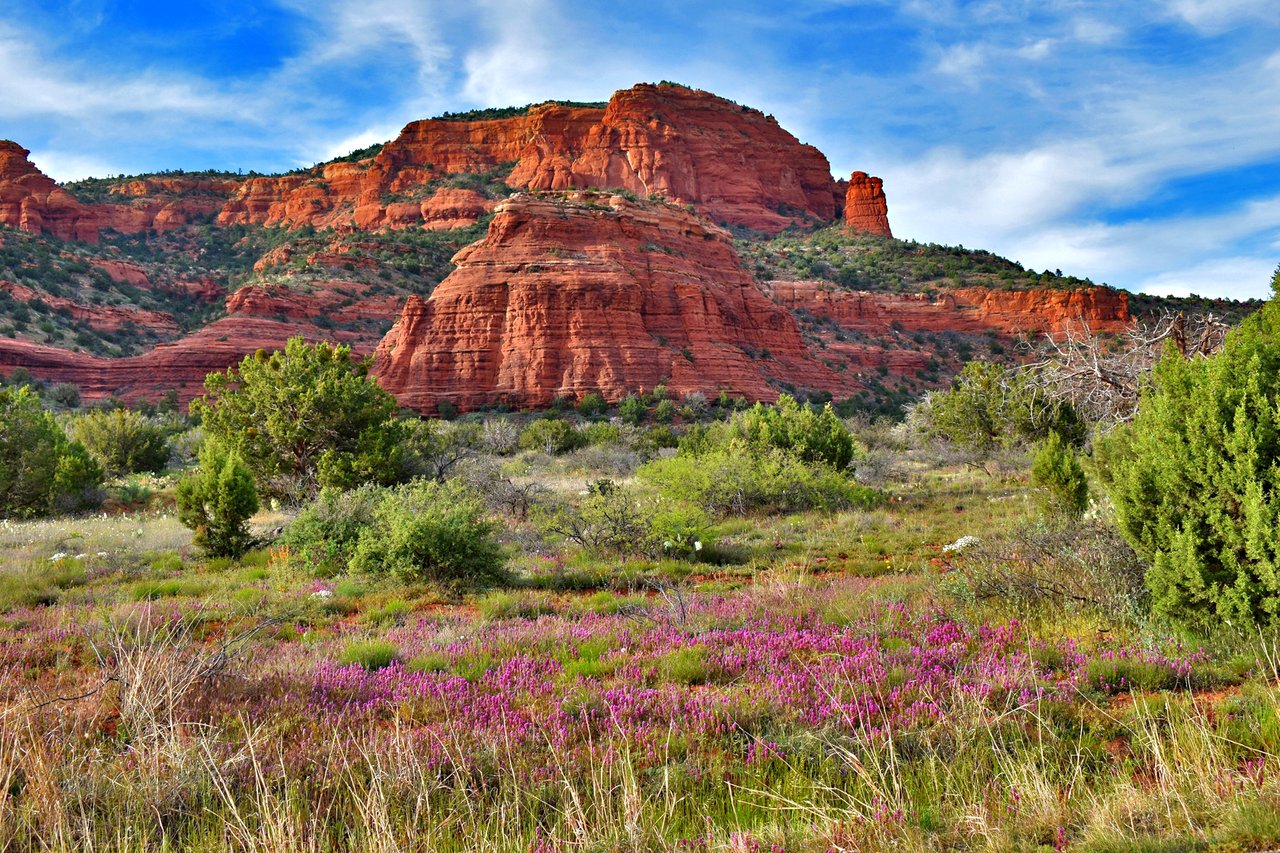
(592, 405)
(728, 480)
(550, 435)
(1195, 478)
(813, 436)
(40, 470)
(325, 534)
(601, 433)
(664, 412)
(123, 441)
(991, 406)
(217, 500)
(430, 532)
(1057, 473)
(305, 418)
(370, 654)
(632, 410)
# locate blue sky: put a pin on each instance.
(1135, 142)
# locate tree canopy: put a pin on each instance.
(303, 418)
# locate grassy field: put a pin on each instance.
(863, 680)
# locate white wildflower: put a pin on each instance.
(961, 545)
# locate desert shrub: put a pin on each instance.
(1057, 473)
(612, 518)
(40, 470)
(434, 448)
(500, 493)
(305, 418)
(550, 435)
(1195, 478)
(632, 410)
(369, 654)
(729, 481)
(992, 406)
(695, 405)
(430, 532)
(665, 411)
(1088, 565)
(656, 438)
(217, 500)
(813, 436)
(325, 533)
(123, 441)
(601, 433)
(64, 394)
(592, 405)
(500, 436)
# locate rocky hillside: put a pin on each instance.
(514, 257)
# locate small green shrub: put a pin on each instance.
(370, 654)
(550, 435)
(664, 412)
(592, 405)
(730, 481)
(601, 433)
(123, 441)
(40, 470)
(216, 502)
(813, 436)
(430, 532)
(632, 410)
(514, 605)
(1057, 473)
(325, 534)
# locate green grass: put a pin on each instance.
(370, 654)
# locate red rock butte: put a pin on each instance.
(583, 292)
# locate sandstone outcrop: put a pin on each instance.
(974, 309)
(31, 201)
(866, 210)
(582, 292)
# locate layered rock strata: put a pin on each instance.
(581, 293)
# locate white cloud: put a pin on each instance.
(1230, 277)
(1214, 16)
(70, 165)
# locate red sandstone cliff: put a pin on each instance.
(584, 293)
(734, 163)
(31, 201)
(973, 309)
(865, 207)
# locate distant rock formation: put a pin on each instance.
(865, 208)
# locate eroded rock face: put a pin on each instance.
(31, 201)
(973, 309)
(732, 162)
(579, 293)
(866, 210)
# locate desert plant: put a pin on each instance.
(550, 435)
(1195, 478)
(325, 533)
(39, 468)
(304, 418)
(430, 532)
(813, 436)
(123, 441)
(632, 410)
(1057, 473)
(217, 500)
(592, 405)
